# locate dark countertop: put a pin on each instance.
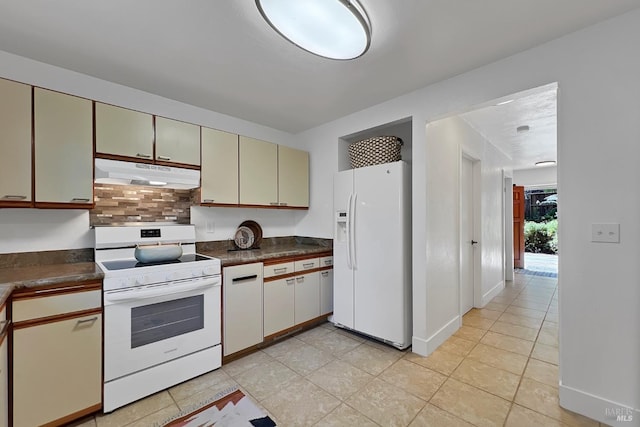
(259, 255)
(46, 275)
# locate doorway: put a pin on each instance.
(468, 231)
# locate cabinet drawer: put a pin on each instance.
(326, 261)
(45, 306)
(279, 269)
(307, 264)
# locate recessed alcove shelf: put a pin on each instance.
(401, 128)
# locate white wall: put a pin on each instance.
(53, 229)
(446, 141)
(30, 230)
(222, 223)
(597, 73)
(544, 177)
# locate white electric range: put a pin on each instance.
(162, 320)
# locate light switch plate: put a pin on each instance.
(211, 226)
(606, 233)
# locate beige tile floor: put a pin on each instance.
(499, 369)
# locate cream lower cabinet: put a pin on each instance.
(326, 291)
(307, 292)
(219, 169)
(177, 142)
(57, 356)
(63, 148)
(15, 142)
(279, 303)
(293, 177)
(258, 163)
(242, 307)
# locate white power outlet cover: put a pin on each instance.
(211, 227)
(605, 233)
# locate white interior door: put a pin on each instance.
(466, 236)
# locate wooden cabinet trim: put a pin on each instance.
(75, 416)
(175, 164)
(59, 289)
(56, 318)
(122, 158)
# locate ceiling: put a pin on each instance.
(222, 56)
(536, 108)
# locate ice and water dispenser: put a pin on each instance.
(341, 227)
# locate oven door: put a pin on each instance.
(150, 325)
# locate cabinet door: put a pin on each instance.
(242, 307)
(258, 172)
(123, 132)
(326, 291)
(279, 301)
(219, 170)
(15, 142)
(57, 370)
(293, 177)
(307, 297)
(177, 142)
(63, 148)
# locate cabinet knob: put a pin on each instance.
(164, 158)
(274, 204)
(208, 201)
(13, 197)
(144, 156)
(81, 200)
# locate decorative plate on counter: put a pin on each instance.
(244, 237)
(257, 232)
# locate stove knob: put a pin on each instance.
(209, 271)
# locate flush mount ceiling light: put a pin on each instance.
(334, 29)
(546, 163)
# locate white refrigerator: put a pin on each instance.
(372, 252)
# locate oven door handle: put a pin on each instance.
(133, 294)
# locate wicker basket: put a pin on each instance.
(374, 151)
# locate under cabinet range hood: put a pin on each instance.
(129, 173)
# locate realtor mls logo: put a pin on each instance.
(619, 414)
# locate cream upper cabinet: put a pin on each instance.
(123, 132)
(219, 170)
(293, 177)
(15, 142)
(177, 142)
(63, 148)
(258, 172)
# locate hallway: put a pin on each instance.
(540, 265)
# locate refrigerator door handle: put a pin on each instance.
(352, 238)
(349, 232)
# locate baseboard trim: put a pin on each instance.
(598, 408)
(419, 346)
(488, 296)
(435, 340)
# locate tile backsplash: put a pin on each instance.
(116, 204)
